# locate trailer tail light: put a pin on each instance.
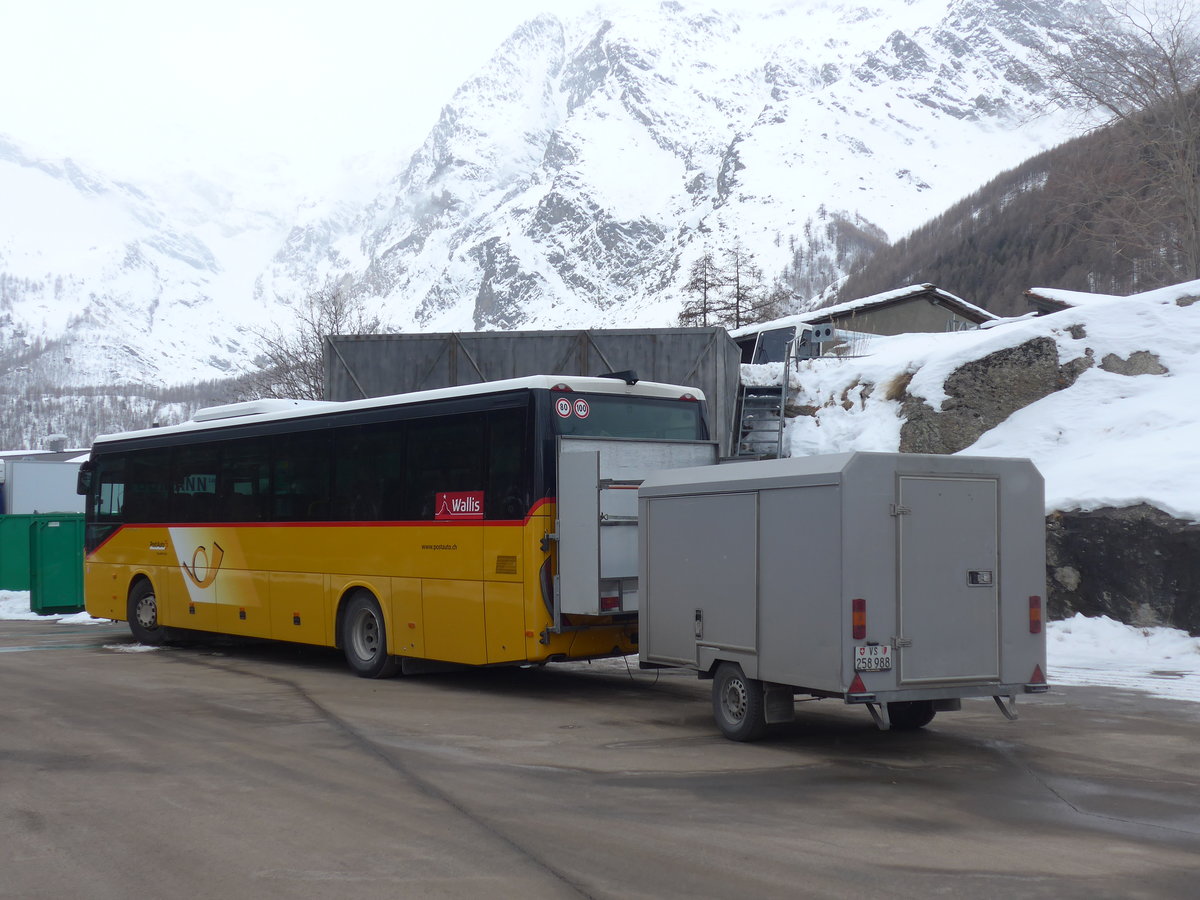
(1035, 614)
(857, 686)
(858, 619)
(610, 603)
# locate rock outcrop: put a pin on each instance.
(1134, 564)
(985, 392)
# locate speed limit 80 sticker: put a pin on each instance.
(565, 408)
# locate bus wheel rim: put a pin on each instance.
(364, 635)
(147, 612)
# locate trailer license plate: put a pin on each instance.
(872, 659)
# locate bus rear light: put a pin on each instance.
(610, 604)
(858, 620)
(691, 397)
(562, 388)
(1035, 614)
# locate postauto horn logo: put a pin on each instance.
(203, 571)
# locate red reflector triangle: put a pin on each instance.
(1038, 677)
(857, 686)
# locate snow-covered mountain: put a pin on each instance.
(104, 281)
(570, 183)
(575, 178)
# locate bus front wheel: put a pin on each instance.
(142, 614)
(364, 638)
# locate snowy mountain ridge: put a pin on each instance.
(570, 183)
(103, 281)
(574, 180)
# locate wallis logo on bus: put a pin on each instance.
(460, 505)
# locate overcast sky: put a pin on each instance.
(129, 84)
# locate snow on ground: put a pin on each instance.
(1164, 662)
(15, 605)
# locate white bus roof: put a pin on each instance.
(281, 410)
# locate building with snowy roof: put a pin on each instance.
(922, 308)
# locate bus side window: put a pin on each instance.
(194, 484)
(147, 474)
(510, 466)
(445, 455)
(368, 480)
(245, 481)
(301, 474)
(107, 496)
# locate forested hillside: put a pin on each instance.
(1116, 211)
(1045, 223)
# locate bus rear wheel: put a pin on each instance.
(364, 638)
(142, 614)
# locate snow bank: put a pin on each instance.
(1161, 661)
(14, 605)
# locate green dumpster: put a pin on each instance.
(56, 564)
(14, 551)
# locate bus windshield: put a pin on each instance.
(606, 415)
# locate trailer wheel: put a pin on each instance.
(738, 704)
(908, 715)
(364, 638)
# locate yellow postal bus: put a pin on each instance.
(419, 526)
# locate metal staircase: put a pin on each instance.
(761, 416)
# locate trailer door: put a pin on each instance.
(948, 580)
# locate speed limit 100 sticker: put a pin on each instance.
(565, 408)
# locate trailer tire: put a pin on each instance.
(909, 715)
(738, 704)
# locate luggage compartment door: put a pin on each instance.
(948, 583)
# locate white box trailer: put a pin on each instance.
(32, 486)
(903, 582)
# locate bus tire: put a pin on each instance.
(364, 638)
(909, 715)
(141, 613)
(738, 704)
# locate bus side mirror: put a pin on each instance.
(83, 481)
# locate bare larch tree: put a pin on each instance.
(292, 363)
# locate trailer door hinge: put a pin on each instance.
(898, 642)
(898, 510)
